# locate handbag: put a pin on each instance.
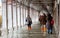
(26, 23)
(52, 22)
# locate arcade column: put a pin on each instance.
(28, 7)
(55, 16)
(59, 20)
(0, 25)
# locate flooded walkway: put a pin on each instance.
(34, 33)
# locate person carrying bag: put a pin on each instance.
(29, 22)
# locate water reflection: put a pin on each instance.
(24, 33)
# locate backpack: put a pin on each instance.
(52, 22)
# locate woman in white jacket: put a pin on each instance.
(29, 20)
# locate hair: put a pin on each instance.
(49, 17)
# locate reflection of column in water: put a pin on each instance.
(48, 36)
(28, 33)
(12, 34)
(15, 35)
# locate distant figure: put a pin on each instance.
(42, 19)
(29, 21)
(51, 22)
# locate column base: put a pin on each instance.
(0, 32)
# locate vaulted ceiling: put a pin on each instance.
(41, 4)
(37, 4)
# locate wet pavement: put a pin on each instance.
(24, 33)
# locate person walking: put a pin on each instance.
(51, 22)
(29, 22)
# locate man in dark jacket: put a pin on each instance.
(50, 26)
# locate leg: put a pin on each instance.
(51, 29)
(29, 27)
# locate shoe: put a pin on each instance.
(51, 32)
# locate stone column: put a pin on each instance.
(59, 21)
(0, 25)
(0, 31)
(28, 7)
(28, 11)
(7, 17)
(16, 15)
(20, 13)
(55, 15)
